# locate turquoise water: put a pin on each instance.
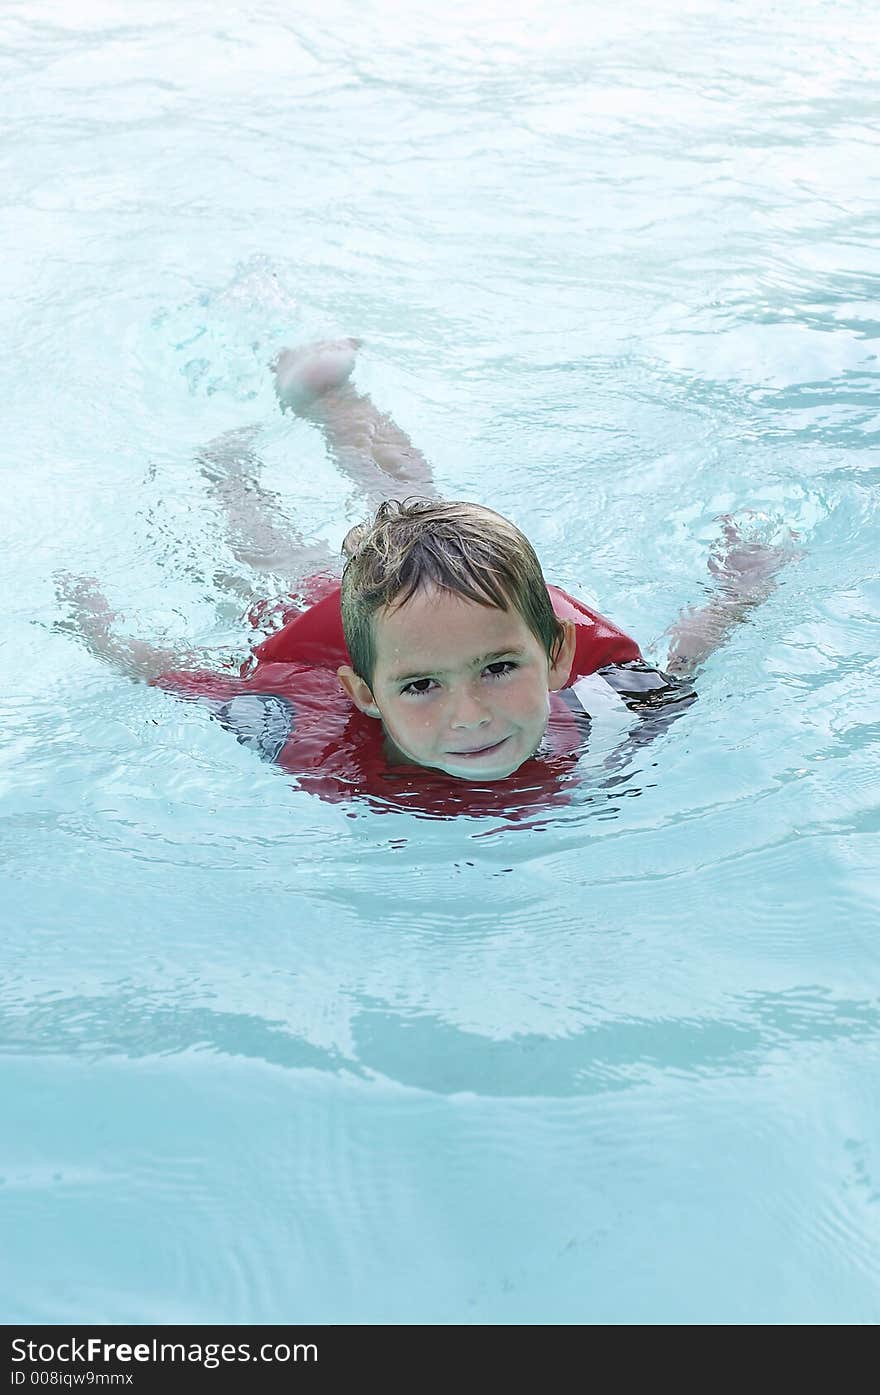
(264, 1061)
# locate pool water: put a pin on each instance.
(268, 1058)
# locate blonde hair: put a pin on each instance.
(459, 547)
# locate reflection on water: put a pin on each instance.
(419, 1050)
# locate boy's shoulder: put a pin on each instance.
(598, 640)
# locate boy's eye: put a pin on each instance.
(418, 687)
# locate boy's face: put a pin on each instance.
(459, 687)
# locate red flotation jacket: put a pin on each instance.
(290, 706)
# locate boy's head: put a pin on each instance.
(452, 636)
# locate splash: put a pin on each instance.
(221, 342)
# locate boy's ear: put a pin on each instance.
(359, 691)
(560, 667)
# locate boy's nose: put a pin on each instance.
(468, 712)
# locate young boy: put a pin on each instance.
(442, 657)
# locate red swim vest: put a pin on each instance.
(337, 751)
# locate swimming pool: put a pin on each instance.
(267, 1058)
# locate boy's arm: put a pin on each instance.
(263, 722)
(90, 621)
(745, 575)
(367, 445)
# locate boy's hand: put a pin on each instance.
(745, 567)
(90, 620)
(87, 605)
(304, 375)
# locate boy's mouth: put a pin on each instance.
(480, 750)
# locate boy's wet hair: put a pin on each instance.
(459, 547)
